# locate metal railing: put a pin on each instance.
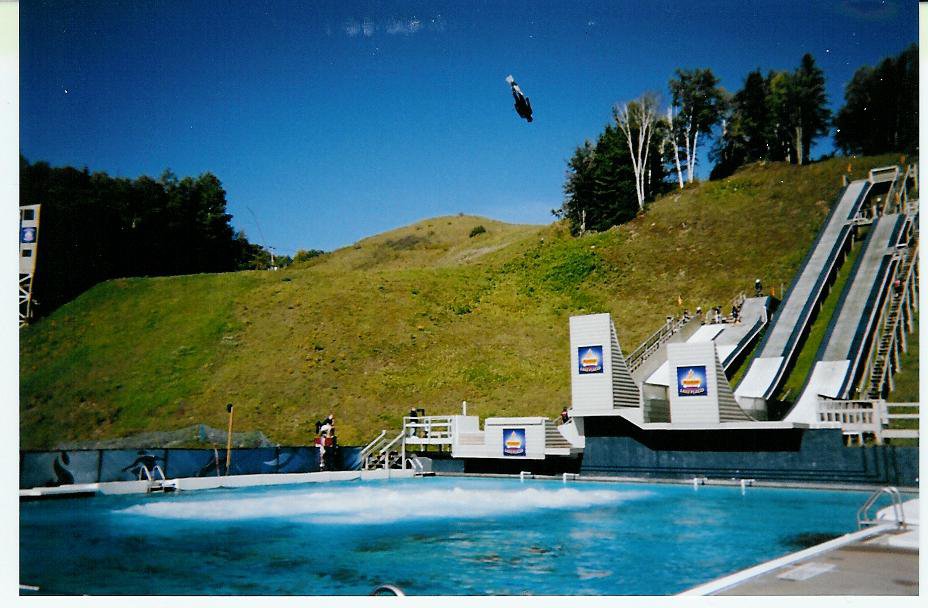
(653, 342)
(381, 454)
(367, 449)
(857, 417)
(149, 474)
(429, 430)
(863, 516)
(873, 375)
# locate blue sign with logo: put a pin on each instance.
(27, 235)
(513, 442)
(590, 359)
(691, 381)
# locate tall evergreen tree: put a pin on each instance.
(814, 116)
(95, 227)
(747, 129)
(880, 112)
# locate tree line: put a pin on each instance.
(646, 150)
(95, 227)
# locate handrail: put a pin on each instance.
(909, 267)
(387, 590)
(864, 519)
(149, 474)
(858, 416)
(364, 452)
(384, 451)
(392, 443)
(653, 342)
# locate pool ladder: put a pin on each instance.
(155, 485)
(863, 517)
(387, 589)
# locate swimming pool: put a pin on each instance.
(429, 536)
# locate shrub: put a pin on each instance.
(477, 230)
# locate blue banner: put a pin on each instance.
(513, 442)
(691, 381)
(590, 359)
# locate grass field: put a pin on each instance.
(425, 315)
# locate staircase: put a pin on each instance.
(881, 371)
(553, 438)
(384, 452)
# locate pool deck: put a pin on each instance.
(206, 483)
(880, 560)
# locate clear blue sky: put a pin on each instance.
(332, 121)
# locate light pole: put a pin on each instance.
(229, 439)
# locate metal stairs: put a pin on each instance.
(884, 363)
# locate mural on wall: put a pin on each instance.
(45, 469)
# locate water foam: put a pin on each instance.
(366, 505)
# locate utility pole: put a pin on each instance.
(229, 439)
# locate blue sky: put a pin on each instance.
(331, 121)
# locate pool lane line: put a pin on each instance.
(727, 582)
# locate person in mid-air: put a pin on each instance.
(523, 105)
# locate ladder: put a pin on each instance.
(154, 484)
(863, 516)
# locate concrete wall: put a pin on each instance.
(600, 380)
(497, 431)
(616, 447)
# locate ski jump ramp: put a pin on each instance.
(847, 338)
(790, 322)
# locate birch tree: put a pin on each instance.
(699, 103)
(636, 120)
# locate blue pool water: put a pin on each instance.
(431, 536)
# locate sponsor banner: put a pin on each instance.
(27, 235)
(513, 442)
(691, 381)
(590, 359)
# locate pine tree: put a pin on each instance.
(880, 112)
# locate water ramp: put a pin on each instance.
(791, 321)
(848, 336)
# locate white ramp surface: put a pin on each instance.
(759, 377)
(826, 380)
(796, 310)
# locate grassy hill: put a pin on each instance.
(425, 315)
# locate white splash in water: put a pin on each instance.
(382, 505)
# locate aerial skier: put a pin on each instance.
(523, 105)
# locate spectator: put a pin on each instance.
(758, 288)
(565, 417)
(325, 439)
(413, 418)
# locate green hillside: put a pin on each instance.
(424, 315)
